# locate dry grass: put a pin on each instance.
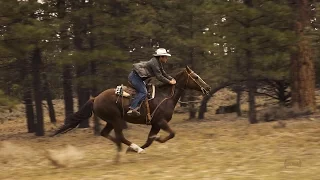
(201, 150)
(221, 147)
(13, 154)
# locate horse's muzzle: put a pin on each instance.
(206, 90)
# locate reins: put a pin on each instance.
(154, 111)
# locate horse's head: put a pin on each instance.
(194, 81)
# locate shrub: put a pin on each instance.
(280, 112)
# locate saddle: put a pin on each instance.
(129, 92)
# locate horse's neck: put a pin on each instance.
(168, 90)
(177, 92)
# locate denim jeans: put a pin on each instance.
(140, 87)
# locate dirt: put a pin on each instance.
(219, 147)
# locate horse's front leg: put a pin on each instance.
(152, 136)
(165, 126)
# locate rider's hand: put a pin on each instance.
(173, 81)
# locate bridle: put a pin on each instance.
(204, 91)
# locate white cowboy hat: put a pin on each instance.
(161, 52)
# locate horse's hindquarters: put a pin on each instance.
(106, 105)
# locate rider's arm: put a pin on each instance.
(165, 74)
(157, 72)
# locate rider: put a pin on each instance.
(144, 70)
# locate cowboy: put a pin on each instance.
(144, 70)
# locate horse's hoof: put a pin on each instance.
(117, 158)
(142, 151)
(130, 150)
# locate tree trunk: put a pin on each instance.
(47, 93)
(239, 102)
(238, 90)
(93, 68)
(183, 99)
(190, 97)
(26, 81)
(192, 108)
(94, 93)
(83, 97)
(251, 83)
(27, 97)
(302, 62)
(281, 92)
(192, 63)
(203, 107)
(67, 90)
(252, 88)
(252, 103)
(36, 68)
(67, 68)
(82, 67)
(203, 104)
(82, 92)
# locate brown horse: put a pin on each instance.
(111, 108)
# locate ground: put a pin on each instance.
(217, 148)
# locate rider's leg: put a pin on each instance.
(141, 89)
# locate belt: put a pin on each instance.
(143, 78)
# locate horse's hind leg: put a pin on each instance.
(120, 138)
(118, 132)
(106, 132)
(117, 140)
(165, 126)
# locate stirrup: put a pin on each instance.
(133, 112)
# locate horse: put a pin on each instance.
(111, 108)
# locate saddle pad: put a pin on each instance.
(120, 91)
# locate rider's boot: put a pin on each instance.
(134, 112)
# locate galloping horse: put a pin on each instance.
(110, 108)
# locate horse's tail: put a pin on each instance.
(75, 119)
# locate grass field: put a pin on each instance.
(218, 148)
(229, 148)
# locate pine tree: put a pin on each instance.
(25, 32)
(256, 38)
(64, 45)
(302, 60)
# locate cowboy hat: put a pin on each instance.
(161, 52)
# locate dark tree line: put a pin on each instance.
(77, 48)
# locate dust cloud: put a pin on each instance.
(20, 155)
(65, 156)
